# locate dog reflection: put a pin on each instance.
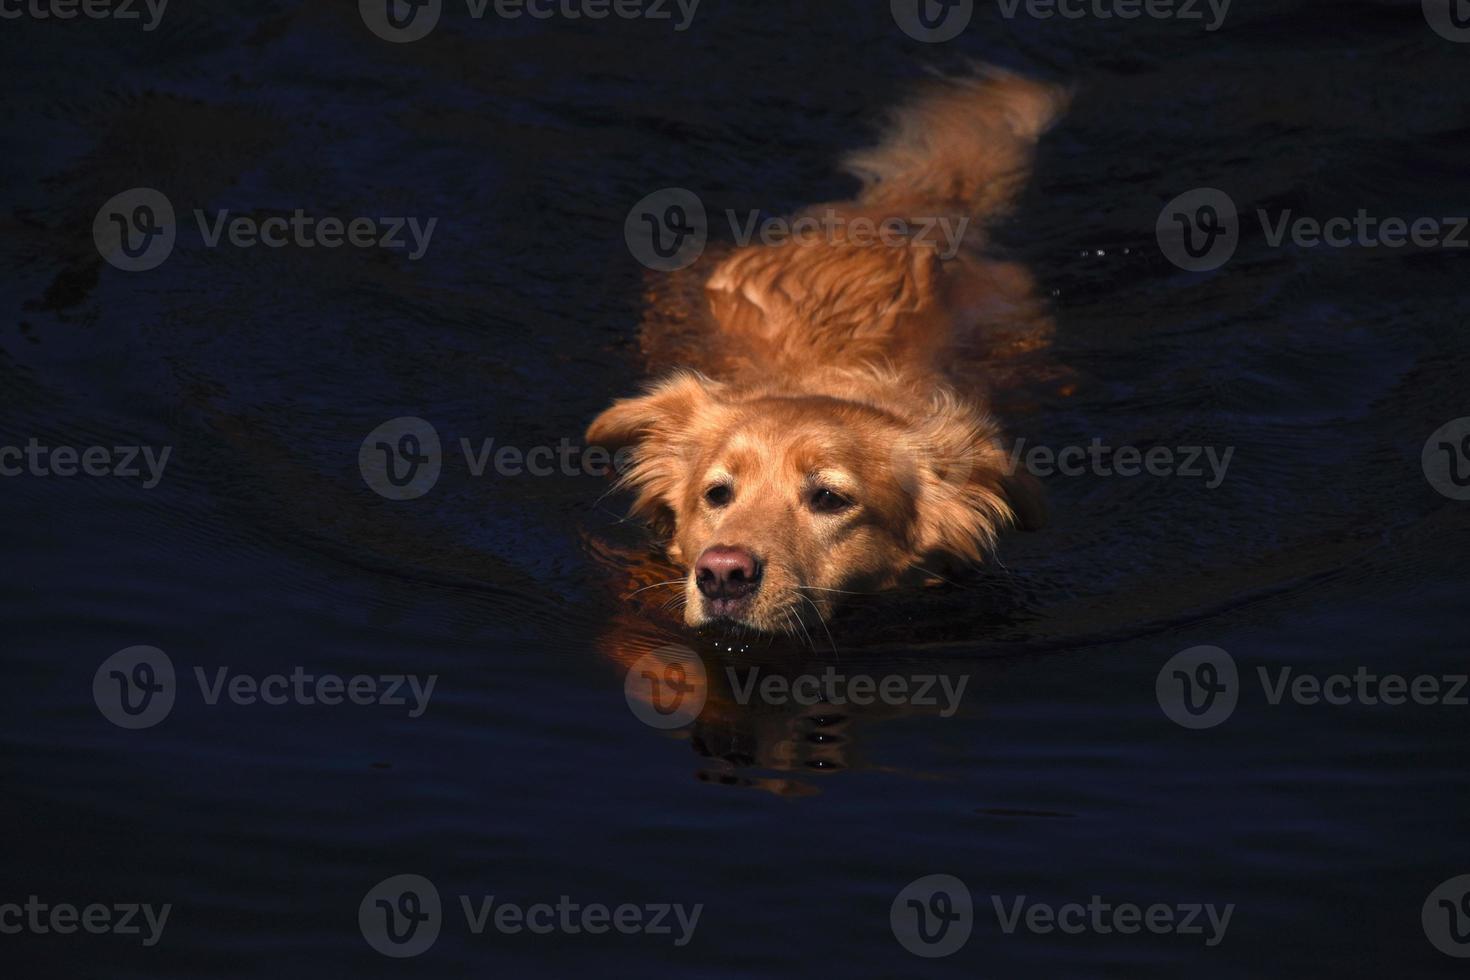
(757, 706)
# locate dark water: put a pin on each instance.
(1324, 549)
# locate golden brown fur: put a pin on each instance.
(826, 371)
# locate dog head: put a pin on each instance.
(776, 501)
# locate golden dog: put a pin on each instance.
(829, 442)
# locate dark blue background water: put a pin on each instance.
(528, 777)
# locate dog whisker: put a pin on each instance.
(921, 568)
(787, 627)
(796, 613)
(617, 518)
(817, 609)
(656, 585)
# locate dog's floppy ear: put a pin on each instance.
(968, 489)
(664, 409)
(656, 432)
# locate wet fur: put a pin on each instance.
(831, 365)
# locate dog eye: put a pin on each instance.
(824, 501)
(718, 495)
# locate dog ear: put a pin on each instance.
(655, 432)
(664, 410)
(968, 489)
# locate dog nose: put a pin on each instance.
(727, 573)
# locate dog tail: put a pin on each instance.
(962, 148)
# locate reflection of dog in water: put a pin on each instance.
(828, 428)
(791, 719)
